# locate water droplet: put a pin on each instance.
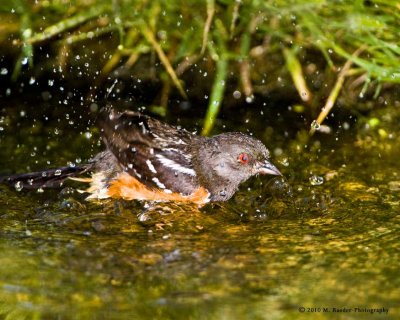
(71, 164)
(88, 135)
(40, 190)
(315, 125)
(32, 80)
(237, 94)
(162, 34)
(18, 186)
(222, 193)
(3, 71)
(285, 162)
(50, 82)
(24, 61)
(57, 172)
(27, 33)
(94, 107)
(250, 99)
(316, 180)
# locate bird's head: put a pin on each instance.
(230, 159)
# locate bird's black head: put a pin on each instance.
(228, 159)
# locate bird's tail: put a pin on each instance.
(50, 178)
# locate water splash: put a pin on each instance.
(18, 186)
(316, 180)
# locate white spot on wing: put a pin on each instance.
(137, 174)
(175, 166)
(171, 150)
(159, 183)
(151, 167)
(141, 124)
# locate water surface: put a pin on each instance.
(327, 237)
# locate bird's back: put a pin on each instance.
(156, 154)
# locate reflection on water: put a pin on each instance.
(276, 247)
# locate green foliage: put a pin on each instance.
(226, 33)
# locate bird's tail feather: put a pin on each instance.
(50, 178)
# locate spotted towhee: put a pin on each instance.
(146, 159)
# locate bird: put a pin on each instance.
(146, 159)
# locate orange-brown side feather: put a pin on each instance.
(127, 187)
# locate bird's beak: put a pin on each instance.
(268, 168)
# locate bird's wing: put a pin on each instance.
(156, 154)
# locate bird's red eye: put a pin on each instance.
(243, 158)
